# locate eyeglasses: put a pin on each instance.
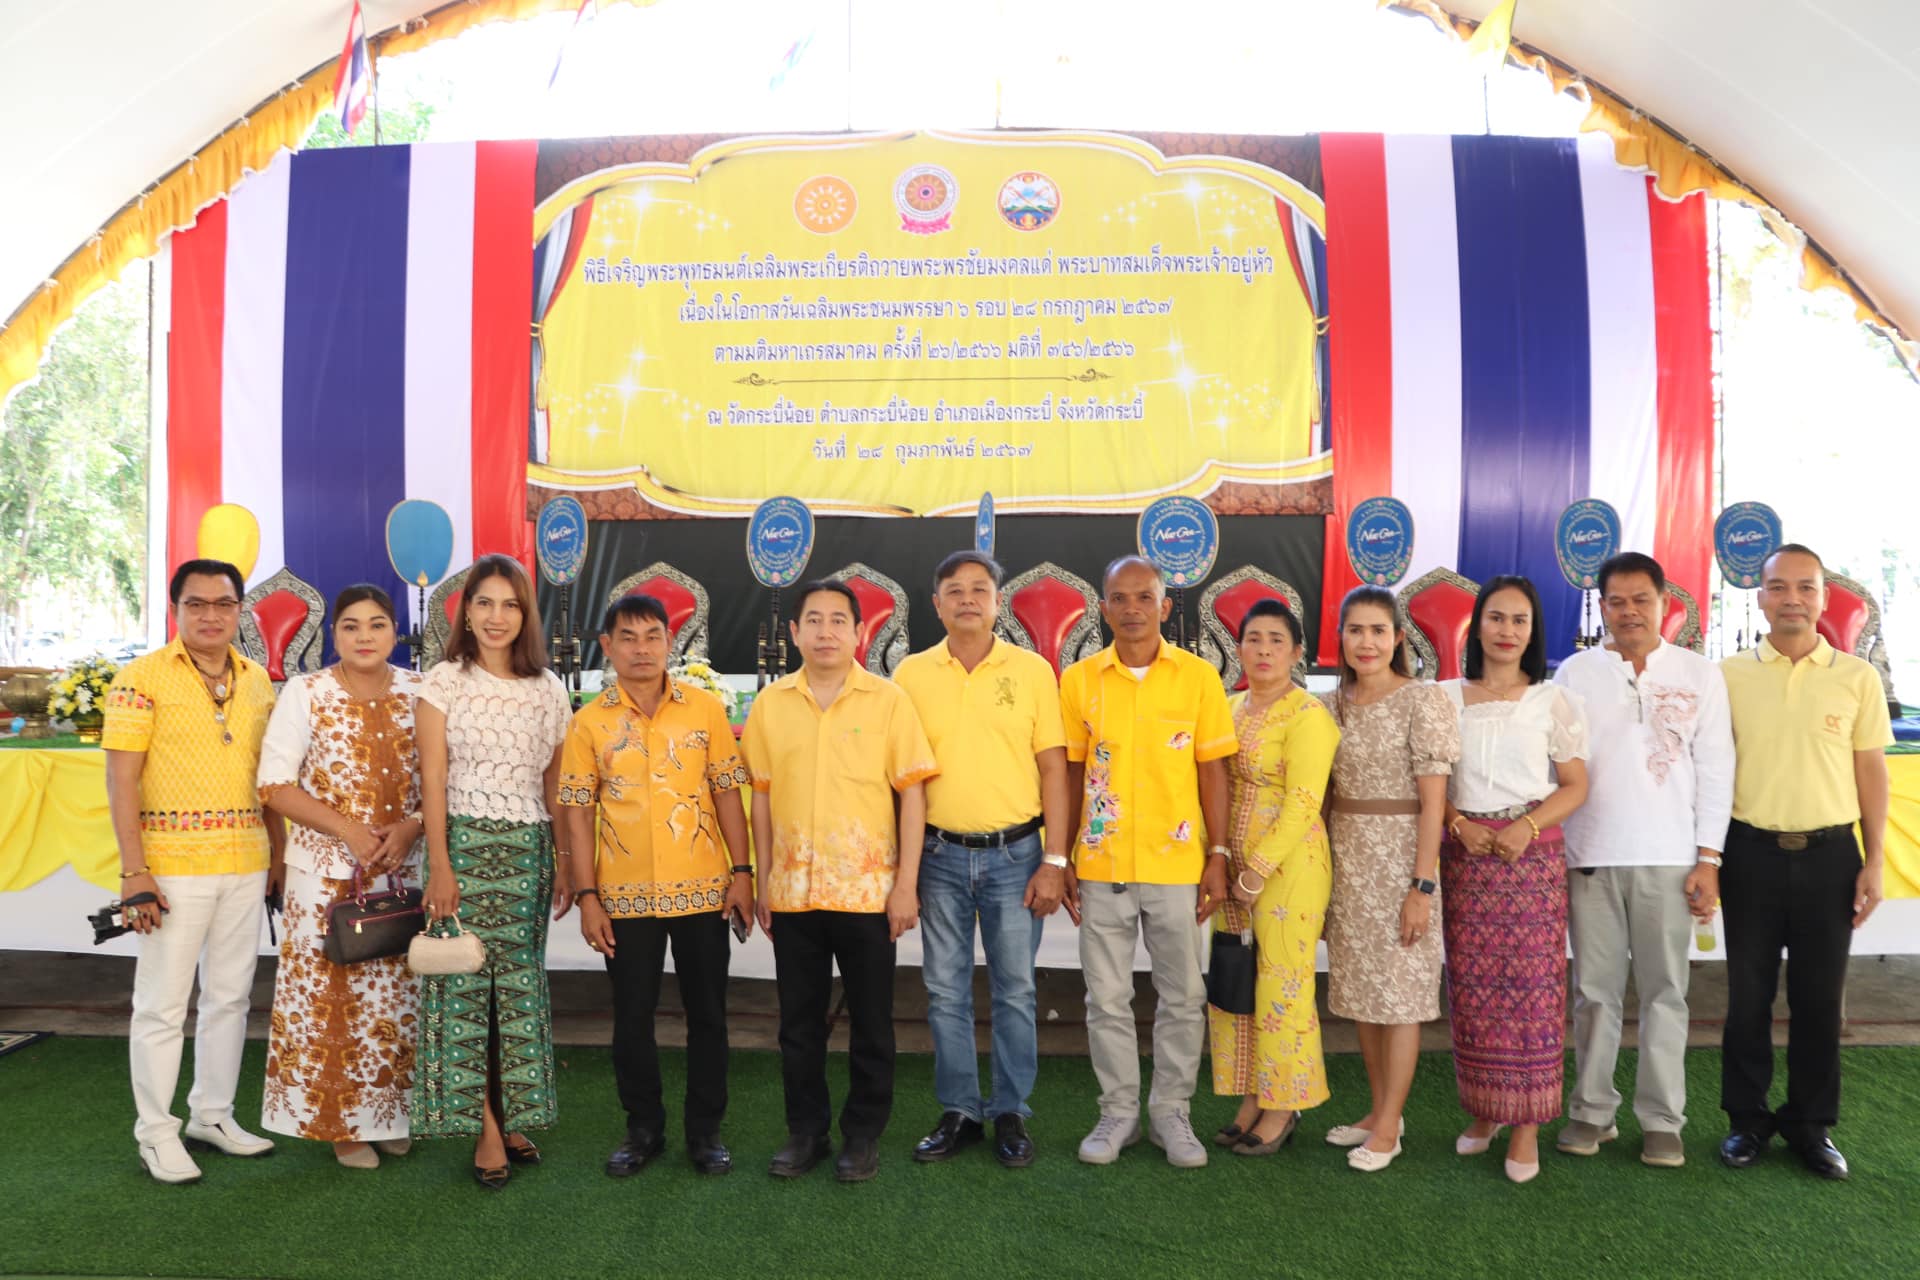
(219, 608)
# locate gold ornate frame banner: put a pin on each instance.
(891, 324)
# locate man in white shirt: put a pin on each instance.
(1643, 855)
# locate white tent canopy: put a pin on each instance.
(1808, 103)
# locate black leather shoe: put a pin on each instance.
(798, 1157)
(1741, 1149)
(955, 1133)
(523, 1152)
(709, 1156)
(1823, 1158)
(635, 1154)
(859, 1160)
(1011, 1145)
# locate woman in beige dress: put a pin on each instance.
(1399, 741)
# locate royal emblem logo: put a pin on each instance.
(926, 195)
(1029, 201)
(825, 204)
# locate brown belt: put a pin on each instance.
(1376, 808)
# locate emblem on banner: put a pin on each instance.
(1587, 532)
(825, 204)
(926, 195)
(779, 540)
(1744, 535)
(1180, 537)
(983, 526)
(1380, 541)
(1028, 201)
(560, 539)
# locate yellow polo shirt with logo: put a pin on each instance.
(830, 778)
(658, 849)
(199, 805)
(1796, 726)
(986, 727)
(1142, 741)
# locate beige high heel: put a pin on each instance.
(365, 1158)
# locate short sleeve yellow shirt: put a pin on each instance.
(986, 727)
(659, 850)
(829, 777)
(1796, 726)
(1142, 741)
(199, 805)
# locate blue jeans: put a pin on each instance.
(958, 885)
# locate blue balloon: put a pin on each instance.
(419, 541)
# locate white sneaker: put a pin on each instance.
(1173, 1134)
(227, 1136)
(1103, 1145)
(168, 1161)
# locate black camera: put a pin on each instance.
(107, 921)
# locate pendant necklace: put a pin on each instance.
(221, 693)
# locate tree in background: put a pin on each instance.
(73, 449)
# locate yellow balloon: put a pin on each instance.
(229, 532)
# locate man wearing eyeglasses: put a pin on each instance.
(197, 861)
(1643, 856)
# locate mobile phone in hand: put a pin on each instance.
(738, 923)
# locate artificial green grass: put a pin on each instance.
(78, 1203)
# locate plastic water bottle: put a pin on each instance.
(1703, 933)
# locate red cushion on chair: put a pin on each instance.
(452, 607)
(1049, 609)
(876, 610)
(279, 617)
(1676, 620)
(680, 602)
(1443, 612)
(1845, 618)
(1231, 605)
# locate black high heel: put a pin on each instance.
(492, 1179)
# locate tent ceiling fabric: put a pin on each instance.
(1809, 103)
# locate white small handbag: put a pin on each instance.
(431, 956)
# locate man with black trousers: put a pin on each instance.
(1810, 730)
(651, 780)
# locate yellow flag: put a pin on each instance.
(1487, 47)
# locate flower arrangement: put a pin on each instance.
(80, 692)
(697, 673)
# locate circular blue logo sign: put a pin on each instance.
(1179, 537)
(560, 539)
(983, 526)
(1380, 540)
(1587, 532)
(779, 540)
(1744, 535)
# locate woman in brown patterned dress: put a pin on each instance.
(1399, 741)
(338, 762)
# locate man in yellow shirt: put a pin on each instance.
(650, 777)
(1810, 730)
(1148, 736)
(830, 747)
(182, 733)
(992, 712)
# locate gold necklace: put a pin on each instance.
(340, 675)
(221, 693)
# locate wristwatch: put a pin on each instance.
(1054, 860)
(1425, 886)
(743, 870)
(1711, 859)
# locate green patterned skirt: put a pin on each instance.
(505, 872)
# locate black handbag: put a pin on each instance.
(373, 926)
(1230, 973)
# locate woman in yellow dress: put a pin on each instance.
(1282, 874)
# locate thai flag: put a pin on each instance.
(354, 76)
(1515, 323)
(347, 329)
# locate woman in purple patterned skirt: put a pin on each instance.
(1503, 872)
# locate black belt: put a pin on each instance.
(986, 839)
(1794, 841)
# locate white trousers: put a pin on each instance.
(212, 924)
(1630, 919)
(1110, 925)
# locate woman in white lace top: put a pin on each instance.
(491, 721)
(1503, 870)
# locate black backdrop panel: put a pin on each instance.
(713, 552)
